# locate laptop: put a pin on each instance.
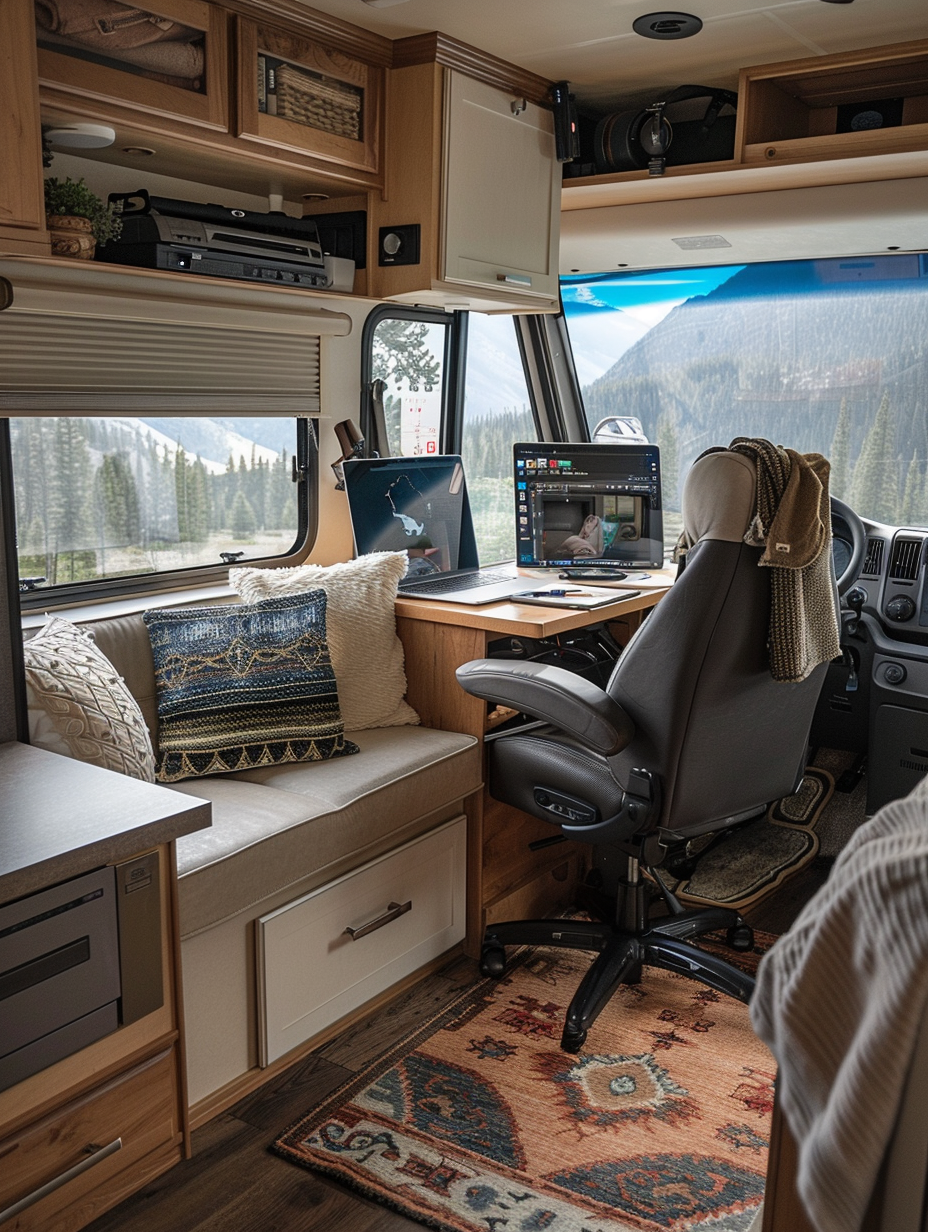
(420, 506)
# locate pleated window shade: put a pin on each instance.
(110, 341)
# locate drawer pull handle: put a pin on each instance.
(393, 912)
(516, 280)
(95, 1155)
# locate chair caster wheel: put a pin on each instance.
(493, 961)
(740, 937)
(572, 1041)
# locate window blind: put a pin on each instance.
(110, 341)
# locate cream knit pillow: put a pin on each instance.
(79, 705)
(361, 627)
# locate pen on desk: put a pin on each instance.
(540, 594)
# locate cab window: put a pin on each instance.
(826, 356)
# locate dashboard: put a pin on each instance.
(875, 700)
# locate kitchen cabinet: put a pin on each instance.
(83, 1132)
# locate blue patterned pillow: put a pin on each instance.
(243, 686)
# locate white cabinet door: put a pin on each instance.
(500, 191)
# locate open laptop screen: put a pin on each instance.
(588, 504)
(417, 505)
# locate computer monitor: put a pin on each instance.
(590, 505)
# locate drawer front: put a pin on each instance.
(138, 1110)
(325, 954)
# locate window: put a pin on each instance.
(105, 498)
(828, 356)
(408, 357)
(497, 412)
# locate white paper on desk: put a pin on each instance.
(579, 602)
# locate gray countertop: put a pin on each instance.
(60, 817)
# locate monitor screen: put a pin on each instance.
(594, 505)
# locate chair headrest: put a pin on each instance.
(719, 497)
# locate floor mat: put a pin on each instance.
(479, 1121)
(750, 862)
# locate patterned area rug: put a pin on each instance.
(749, 863)
(479, 1123)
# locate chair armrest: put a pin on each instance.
(562, 698)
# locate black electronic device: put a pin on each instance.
(633, 140)
(566, 129)
(223, 242)
(591, 506)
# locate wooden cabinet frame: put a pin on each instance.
(252, 125)
(66, 78)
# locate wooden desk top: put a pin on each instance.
(532, 620)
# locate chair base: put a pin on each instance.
(622, 955)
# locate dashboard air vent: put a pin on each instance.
(903, 564)
(873, 562)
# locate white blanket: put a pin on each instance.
(839, 1000)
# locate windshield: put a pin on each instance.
(825, 356)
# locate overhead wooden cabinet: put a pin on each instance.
(184, 77)
(472, 196)
(22, 209)
(295, 94)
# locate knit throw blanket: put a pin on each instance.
(792, 522)
(839, 1002)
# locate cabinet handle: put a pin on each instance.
(95, 1155)
(393, 912)
(518, 280)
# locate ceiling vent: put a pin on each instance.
(903, 564)
(873, 561)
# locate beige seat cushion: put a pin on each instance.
(274, 827)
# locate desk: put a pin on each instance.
(505, 880)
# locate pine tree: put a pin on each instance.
(840, 446)
(243, 517)
(668, 442)
(910, 510)
(874, 483)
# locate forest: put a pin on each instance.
(105, 498)
(842, 372)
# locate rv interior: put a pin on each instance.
(358, 229)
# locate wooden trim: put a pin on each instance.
(441, 49)
(820, 66)
(334, 33)
(176, 976)
(218, 1101)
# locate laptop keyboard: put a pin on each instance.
(470, 581)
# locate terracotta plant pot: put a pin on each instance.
(71, 237)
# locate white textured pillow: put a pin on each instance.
(361, 628)
(79, 705)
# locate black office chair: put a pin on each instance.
(691, 736)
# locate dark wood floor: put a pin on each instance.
(234, 1184)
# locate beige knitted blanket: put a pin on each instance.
(792, 522)
(839, 1001)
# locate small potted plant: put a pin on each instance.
(77, 219)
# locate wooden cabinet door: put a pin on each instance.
(22, 208)
(500, 190)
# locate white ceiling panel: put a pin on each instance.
(591, 43)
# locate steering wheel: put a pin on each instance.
(849, 544)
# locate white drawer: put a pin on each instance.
(311, 971)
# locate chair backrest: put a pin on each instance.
(722, 735)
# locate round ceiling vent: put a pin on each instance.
(667, 25)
